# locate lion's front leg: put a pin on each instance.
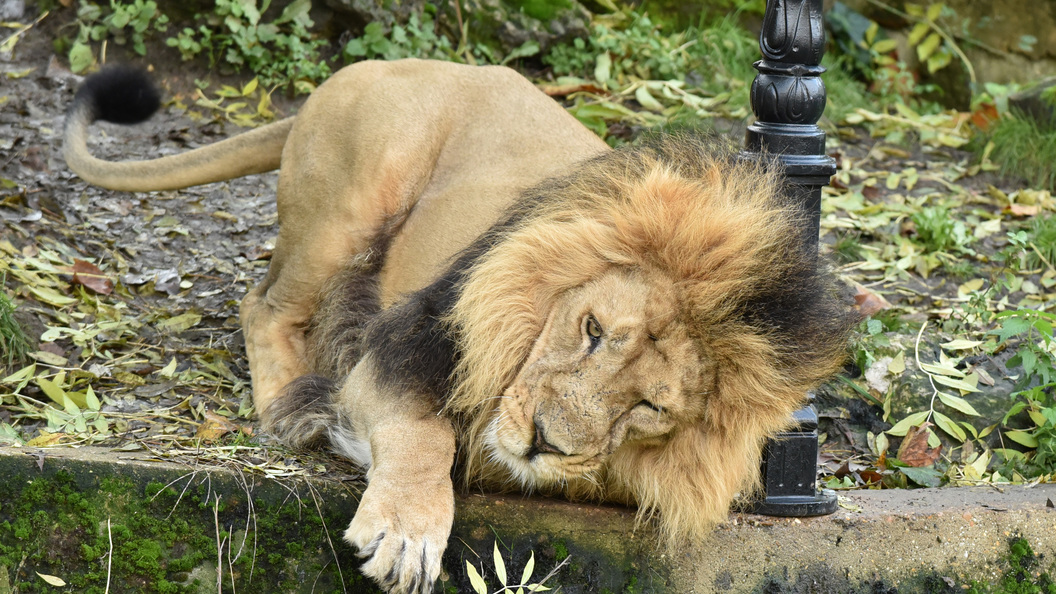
(404, 517)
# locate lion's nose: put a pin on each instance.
(540, 445)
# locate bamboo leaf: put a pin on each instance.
(946, 424)
(904, 425)
(958, 403)
(1022, 438)
(500, 566)
(475, 581)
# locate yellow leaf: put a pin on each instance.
(250, 87)
(898, 364)
(45, 439)
(54, 581)
(961, 345)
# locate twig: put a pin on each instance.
(109, 555)
(1040, 255)
(326, 532)
(24, 29)
(931, 379)
(219, 546)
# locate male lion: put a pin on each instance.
(462, 269)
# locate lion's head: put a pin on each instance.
(638, 332)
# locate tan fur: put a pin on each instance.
(659, 252)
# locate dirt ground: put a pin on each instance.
(163, 347)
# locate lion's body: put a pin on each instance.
(461, 266)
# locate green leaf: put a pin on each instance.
(928, 46)
(902, 427)
(180, 323)
(934, 11)
(961, 345)
(603, 68)
(475, 581)
(925, 477)
(1023, 438)
(525, 50)
(918, 33)
(528, 569)
(885, 46)
(21, 375)
(51, 296)
(500, 566)
(958, 403)
(643, 97)
(941, 370)
(947, 425)
(80, 57)
(954, 383)
(91, 400)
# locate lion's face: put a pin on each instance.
(613, 366)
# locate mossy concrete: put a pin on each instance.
(175, 528)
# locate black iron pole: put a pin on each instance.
(788, 98)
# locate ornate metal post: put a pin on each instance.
(788, 98)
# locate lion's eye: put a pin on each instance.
(651, 406)
(594, 331)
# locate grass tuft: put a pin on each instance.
(1026, 150)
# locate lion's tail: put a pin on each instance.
(127, 96)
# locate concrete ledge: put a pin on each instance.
(265, 535)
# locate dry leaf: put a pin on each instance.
(89, 275)
(915, 450)
(214, 427)
(867, 302)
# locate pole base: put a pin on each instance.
(797, 506)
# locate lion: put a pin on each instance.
(465, 273)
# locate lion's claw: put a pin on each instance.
(402, 540)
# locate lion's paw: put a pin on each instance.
(403, 536)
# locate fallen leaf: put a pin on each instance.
(88, 274)
(867, 302)
(54, 581)
(1020, 210)
(214, 427)
(915, 450)
(257, 253)
(560, 89)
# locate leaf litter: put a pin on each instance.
(131, 300)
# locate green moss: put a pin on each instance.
(1025, 573)
(560, 550)
(59, 524)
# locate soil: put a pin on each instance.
(194, 252)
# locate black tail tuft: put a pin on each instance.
(303, 413)
(119, 94)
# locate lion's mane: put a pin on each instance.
(760, 304)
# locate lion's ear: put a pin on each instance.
(508, 295)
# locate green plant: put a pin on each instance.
(418, 38)
(1042, 243)
(122, 22)
(14, 344)
(481, 587)
(1025, 149)
(938, 231)
(280, 52)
